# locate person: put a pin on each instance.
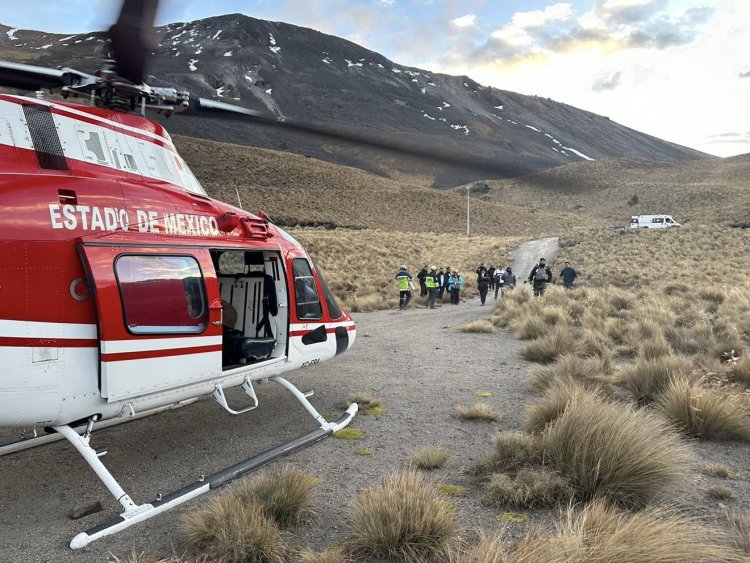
(458, 282)
(482, 268)
(499, 275)
(491, 276)
(540, 276)
(405, 285)
(441, 282)
(420, 276)
(568, 275)
(510, 278)
(431, 283)
(483, 284)
(446, 282)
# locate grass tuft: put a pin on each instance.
(479, 326)
(718, 470)
(348, 433)
(487, 549)
(433, 457)
(720, 492)
(401, 519)
(330, 555)
(513, 450)
(614, 451)
(363, 452)
(647, 378)
(478, 411)
(364, 400)
(483, 394)
(531, 488)
(589, 372)
(703, 412)
(553, 404)
(553, 344)
(450, 490)
(739, 530)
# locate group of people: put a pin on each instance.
(494, 277)
(435, 281)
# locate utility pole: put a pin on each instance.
(468, 220)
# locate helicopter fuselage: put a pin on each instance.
(124, 287)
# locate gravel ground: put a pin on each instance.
(417, 362)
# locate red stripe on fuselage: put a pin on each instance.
(23, 342)
(146, 354)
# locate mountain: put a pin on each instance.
(474, 131)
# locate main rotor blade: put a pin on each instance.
(30, 77)
(133, 38)
(438, 151)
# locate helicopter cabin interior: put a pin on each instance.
(254, 303)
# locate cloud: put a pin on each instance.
(607, 82)
(745, 74)
(730, 137)
(469, 20)
(663, 32)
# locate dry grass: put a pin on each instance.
(348, 433)
(401, 519)
(739, 530)
(720, 492)
(330, 555)
(614, 451)
(229, 529)
(363, 399)
(530, 488)
(553, 404)
(589, 372)
(480, 326)
(513, 450)
(547, 348)
(487, 549)
(478, 411)
(739, 371)
(601, 534)
(703, 412)
(144, 558)
(718, 470)
(647, 378)
(433, 457)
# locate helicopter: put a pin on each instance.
(126, 289)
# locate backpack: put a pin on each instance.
(500, 276)
(541, 274)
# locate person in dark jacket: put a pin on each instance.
(447, 282)
(420, 276)
(483, 284)
(568, 275)
(441, 277)
(482, 268)
(491, 276)
(540, 276)
(510, 278)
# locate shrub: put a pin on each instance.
(703, 413)
(531, 488)
(552, 345)
(285, 496)
(612, 450)
(513, 450)
(401, 519)
(478, 411)
(647, 378)
(429, 458)
(229, 529)
(601, 534)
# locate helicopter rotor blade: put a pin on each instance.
(411, 146)
(133, 38)
(30, 77)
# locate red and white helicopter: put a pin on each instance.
(125, 289)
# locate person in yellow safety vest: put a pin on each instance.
(405, 285)
(431, 282)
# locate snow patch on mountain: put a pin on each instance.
(274, 48)
(11, 33)
(191, 65)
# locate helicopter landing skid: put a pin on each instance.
(133, 513)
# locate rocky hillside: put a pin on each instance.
(474, 131)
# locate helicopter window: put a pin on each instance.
(333, 308)
(305, 292)
(232, 263)
(162, 294)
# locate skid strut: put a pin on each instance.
(133, 513)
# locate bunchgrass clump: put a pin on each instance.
(450, 490)
(649, 377)
(720, 492)
(739, 530)
(614, 451)
(553, 344)
(703, 412)
(478, 326)
(231, 529)
(363, 399)
(513, 450)
(478, 411)
(589, 372)
(718, 470)
(487, 549)
(331, 555)
(601, 534)
(401, 519)
(739, 370)
(145, 558)
(433, 457)
(530, 327)
(285, 496)
(532, 487)
(553, 404)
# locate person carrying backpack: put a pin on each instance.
(499, 275)
(458, 281)
(405, 285)
(540, 276)
(483, 284)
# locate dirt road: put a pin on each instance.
(528, 254)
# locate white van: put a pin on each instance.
(652, 222)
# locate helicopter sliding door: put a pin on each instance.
(159, 318)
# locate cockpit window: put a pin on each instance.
(305, 292)
(333, 309)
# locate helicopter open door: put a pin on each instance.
(159, 318)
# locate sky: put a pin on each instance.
(676, 69)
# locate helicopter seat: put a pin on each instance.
(238, 347)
